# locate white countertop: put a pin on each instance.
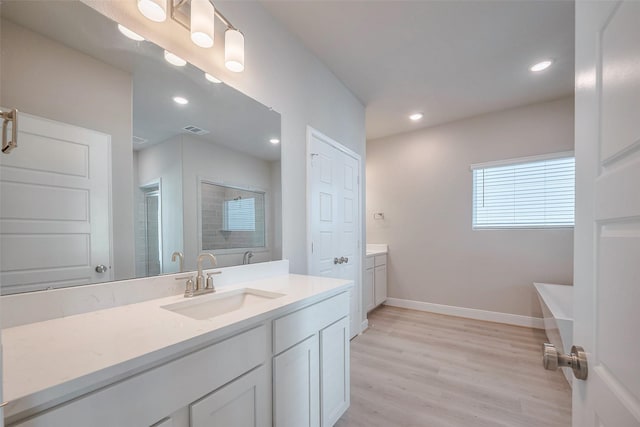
(376, 249)
(46, 363)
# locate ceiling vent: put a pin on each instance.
(195, 130)
(138, 141)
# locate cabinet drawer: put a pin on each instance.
(381, 260)
(146, 398)
(295, 327)
(369, 262)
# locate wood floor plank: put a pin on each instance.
(418, 369)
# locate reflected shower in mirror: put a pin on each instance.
(127, 156)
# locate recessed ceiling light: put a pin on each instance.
(416, 116)
(211, 78)
(180, 100)
(174, 59)
(128, 33)
(540, 66)
(274, 141)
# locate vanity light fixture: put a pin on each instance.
(198, 17)
(416, 116)
(174, 59)
(274, 141)
(130, 34)
(155, 10)
(211, 78)
(234, 50)
(541, 66)
(202, 23)
(180, 100)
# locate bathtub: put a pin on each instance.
(557, 309)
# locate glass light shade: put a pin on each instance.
(211, 78)
(130, 34)
(234, 50)
(202, 26)
(174, 59)
(155, 10)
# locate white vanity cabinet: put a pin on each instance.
(242, 403)
(375, 281)
(311, 369)
(287, 371)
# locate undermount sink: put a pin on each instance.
(206, 307)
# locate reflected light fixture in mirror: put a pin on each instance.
(155, 10)
(130, 34)
(202, 23)
(211, 78)
(274, 141)
(174, 59)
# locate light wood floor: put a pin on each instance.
(419, 369)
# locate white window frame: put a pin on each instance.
(512, 162)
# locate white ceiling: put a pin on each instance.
(448, 59)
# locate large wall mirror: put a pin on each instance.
(130, 162)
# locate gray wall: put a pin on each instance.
(46, 79)
(281, 73)
(422, 182)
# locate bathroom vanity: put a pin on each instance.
(258, 352)
(375, 277)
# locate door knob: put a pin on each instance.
(344, 259)
(577, 360)
(101, 268)
(337, 261)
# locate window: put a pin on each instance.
(533, 192)
(240, 214)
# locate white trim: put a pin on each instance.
(364, 326)
(469, 313)
(519, 160)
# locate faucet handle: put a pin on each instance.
(210, 279)
(188, 291)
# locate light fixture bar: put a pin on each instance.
(182, 19)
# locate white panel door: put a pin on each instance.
(55, 213)
(296, 386)
(334, 216)
(607, 232)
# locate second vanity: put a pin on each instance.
(276, 352)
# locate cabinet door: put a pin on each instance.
(296, 386)
(242, 403)
(334, 371)
(368, 293)
(380, 281)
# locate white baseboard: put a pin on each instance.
(469, 313)
(364, 325)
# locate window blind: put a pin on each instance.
(525, 194)
(240, 215)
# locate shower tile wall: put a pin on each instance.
(213, 236)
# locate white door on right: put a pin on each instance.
(335, 216)
(607, 232)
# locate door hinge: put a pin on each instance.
(311, 247)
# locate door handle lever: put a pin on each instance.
(9, 116)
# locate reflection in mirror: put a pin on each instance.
(125, 158)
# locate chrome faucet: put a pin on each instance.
(179, 255)
(246, 258)
(200, 285)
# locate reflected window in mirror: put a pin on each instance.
(232, 218)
